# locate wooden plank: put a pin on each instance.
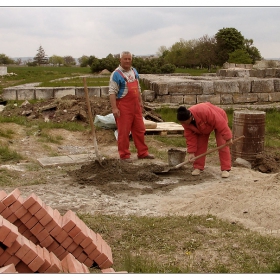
(164, 128)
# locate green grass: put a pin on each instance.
(185, 244)
(8, 155)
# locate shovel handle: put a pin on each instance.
(209, 152)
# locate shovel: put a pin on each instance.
(91, 123)
(202, 155)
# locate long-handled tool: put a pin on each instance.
(91, 123)
(202, 155)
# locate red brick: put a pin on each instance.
(16, 205)
(108, 270)
(48, 217)
(62, 256)
(77, 252)
(11, 197)
(29, 201)
(42, 235)
(67, 241)
(56, 266)
(87, 241)
(88, 262)
(48, 241)
(50, 226)
(12, 236)
(21, 267)
(59, 250)
(74, 231)
(94, 254)
(58, 228)
(85, 268)
(18, 223)
(36, 229)
(61, 236)
(12, 218)
(4, 257)
(93, 245)
(33, 209)
(7, 212)
(71, 265)
(27, 234)
(82, 258)
(25, 247)
(22, 228)
(34, 239)
(52, 246)
(106, 264)
(16, 246)
(8, 269)
(30, 255)
(4, 229)
(68, 220)
(21, 212)
(47, 261)
(2, 196)
(2, 251)
(32, 222)
(80, 237)
(38, 261)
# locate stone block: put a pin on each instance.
(148, 95)
(191, 87)
(43, 93)
(245, 98)
(104, 91)
(227, 86)
(263, 97)
(226, 99)
(160, 88)
(274, 97)
(179, 99)
(244, 86)
(60, 92)
(262, 85)
(207, 87)
(276, 83)
(190, 99)
(25, 93)
(9, 94)
(163, 98)
(214, 99)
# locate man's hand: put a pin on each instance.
(229, 142)
(190, 157)
(116, 112)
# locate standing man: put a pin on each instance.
(126, 101)
(198, 122)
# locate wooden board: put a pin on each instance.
(164, 128)
(150, 124)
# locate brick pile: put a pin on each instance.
(36, 238)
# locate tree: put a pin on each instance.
(56, 60)
(228, 40)
(252, 51)
(240, 56)
(40, 57)
(5, 59)
(83, 60)
(69, 60)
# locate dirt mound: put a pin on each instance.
(266, 163)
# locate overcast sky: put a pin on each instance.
(99, 31)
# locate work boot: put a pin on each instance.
(128, 160)
(196, 172)
(148, 156)
(225, 174)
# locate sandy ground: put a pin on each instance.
(248, 197)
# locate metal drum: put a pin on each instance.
(251, 124)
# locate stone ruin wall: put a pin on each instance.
(234, 84)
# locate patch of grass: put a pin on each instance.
(184, 244)
(6, 133)
(8, 155)
(46, 137)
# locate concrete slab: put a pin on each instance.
(65, 160)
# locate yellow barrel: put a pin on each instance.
(251, 124)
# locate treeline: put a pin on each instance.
(227, 45)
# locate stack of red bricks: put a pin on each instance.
(36, 238)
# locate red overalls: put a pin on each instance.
(131, 120)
